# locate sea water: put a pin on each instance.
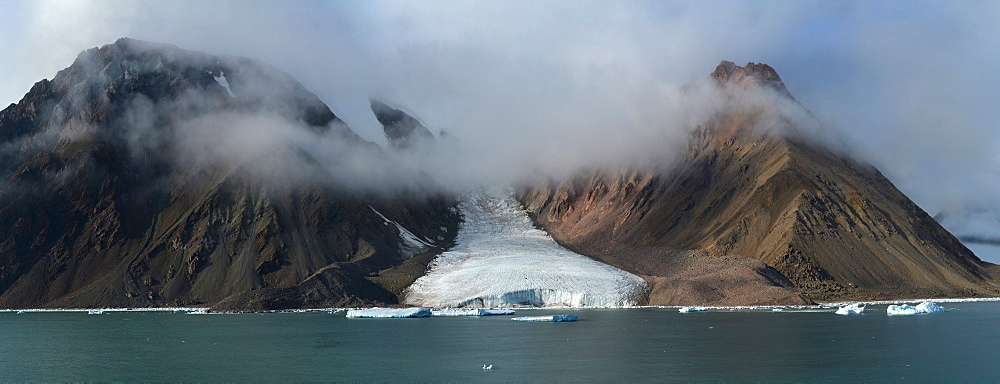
(649, 344)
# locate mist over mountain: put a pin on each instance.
(758, 211)
(148, 175)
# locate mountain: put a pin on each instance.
(147, 175)
(758, 215)
(977, 228)
(402, 130)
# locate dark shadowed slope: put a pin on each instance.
(749, 215)
(127, 182)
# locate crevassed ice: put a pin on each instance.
(500, 259)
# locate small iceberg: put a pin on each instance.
(389, 312)
(95, 312)
(20, 312)
(471, 312)
(905, 309)
(552, 318)
(692, 309)
(852, 309)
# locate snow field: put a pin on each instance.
(500, 259)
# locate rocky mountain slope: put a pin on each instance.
(146, 175)
(757, 216)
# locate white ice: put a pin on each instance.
(389, 312)
(471, 312)
(851, 309)
(221, 79)
(500, 259)
(552, 318)
(411, 245)
(925, 307)
(691, 309)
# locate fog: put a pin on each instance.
(910, 86)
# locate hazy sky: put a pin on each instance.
(914, 86)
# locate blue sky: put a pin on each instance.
(913, 86)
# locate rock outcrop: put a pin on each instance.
(402, 130)
(754, 216)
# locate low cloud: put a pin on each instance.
(525, 84)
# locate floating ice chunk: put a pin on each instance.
(925, 307)
(692, 309)
(221, 79)
(20, 312)
(852, 309)
(552, 318)
(95, 312)
(389, 312)
(471, 312)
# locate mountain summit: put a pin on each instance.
(759, 217)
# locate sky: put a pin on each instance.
(911, 86)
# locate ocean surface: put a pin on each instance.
(961, 345)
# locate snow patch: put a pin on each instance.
(388, 313)
(221, 79)
(411, 245)
(852, 309)
(552, 318)
(922, 308)
(500, 259)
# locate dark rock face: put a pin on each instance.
(835, 229)
(402, 130)
(101, 206)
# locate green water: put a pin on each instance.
(605, 345)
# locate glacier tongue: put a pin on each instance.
(500, 259)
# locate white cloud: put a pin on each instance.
(913, 85)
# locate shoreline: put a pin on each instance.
(820, 305)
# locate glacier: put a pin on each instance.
(925, 307)
(388, 312)
(551, 318)
(501, 260)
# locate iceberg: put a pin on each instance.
(552, 318)
(95, 312)
(389, 312)
(852, 309)
(501, 260)
(20, 312)
(905, 309)
(692, 309)
(471, 312)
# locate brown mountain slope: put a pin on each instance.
(114, 194)
(835, 228)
